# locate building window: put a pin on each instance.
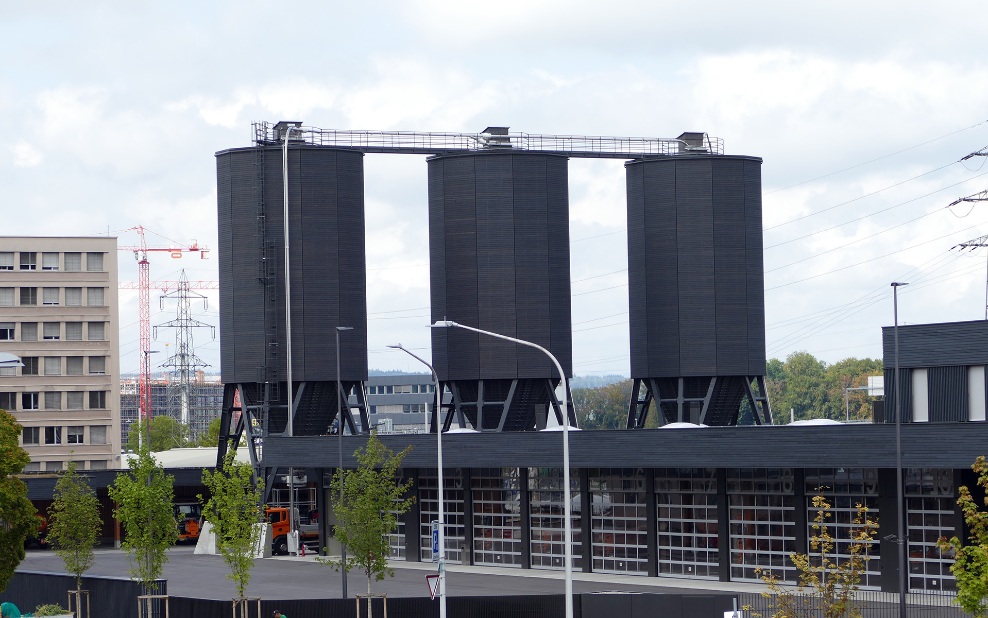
(97, 331)
(52, 331)
(33, 466)
(8, 401)
(49, 296)
(49, 261)
(6, 260)
(6, 331)
(73, 366)
(94, 297)
(73, 262)
(53, 435)
(53, 466)
(29, 401)
(97, 464)
(53, 365)
(94, 262)
(97, 365)
(73, 297)
(31, 435)
(29, 296)
(29, 260)
(97, 434)
(74, 434)
(6, 297)
(29, 331)
(53, 400)
(8, 371)
(30, 367)
(97, 400)
(73, 400)
(73, 331)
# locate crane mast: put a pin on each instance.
(140, 252)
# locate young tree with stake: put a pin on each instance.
(74, 522)
(372, 500)
(234, 510)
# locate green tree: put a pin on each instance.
(234, 509)
(210, 437)
(166, 434)
(812, 389)
(970, 566)
(605, 407)
(850, 373)
(372, 500)
(144, 498)
(826, 587)
(74, 522)
(17, 514)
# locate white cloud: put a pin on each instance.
(123, 131)
(26, 155)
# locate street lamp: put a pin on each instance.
(567, 507)
(439, 457)
(903, 554)
(10, 360)
(292, 529)
(341, 402)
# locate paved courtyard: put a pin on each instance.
(200, 576)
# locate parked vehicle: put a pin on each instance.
(40, 540)
(189, 518)
(277, 517)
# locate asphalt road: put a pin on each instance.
(202, 576)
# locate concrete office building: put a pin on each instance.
(400, 403)
(58, 313)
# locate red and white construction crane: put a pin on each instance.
(144, 300)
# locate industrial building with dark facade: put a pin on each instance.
(714, 502)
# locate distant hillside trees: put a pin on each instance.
(813, 389)
(809, 387)
(605, 407)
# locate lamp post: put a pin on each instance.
(340, 404)
(439, 497)
(567, 507)
(292, 533)
(901, 533)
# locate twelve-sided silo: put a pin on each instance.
(499, 259)
(696, 288)
(327, 280)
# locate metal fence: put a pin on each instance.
(108, 596)
(871, 603)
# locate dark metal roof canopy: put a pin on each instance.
(433, 143)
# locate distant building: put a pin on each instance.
(400, 403)
(205, 402)
(58, 313)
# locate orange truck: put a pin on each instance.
(277, 517)
(189, 518)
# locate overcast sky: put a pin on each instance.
(861, 112)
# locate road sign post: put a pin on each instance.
(435, 541)
(433, 580)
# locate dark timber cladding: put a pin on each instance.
(940, 358)
(695, 273)
(499, 254)
(328, 281)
